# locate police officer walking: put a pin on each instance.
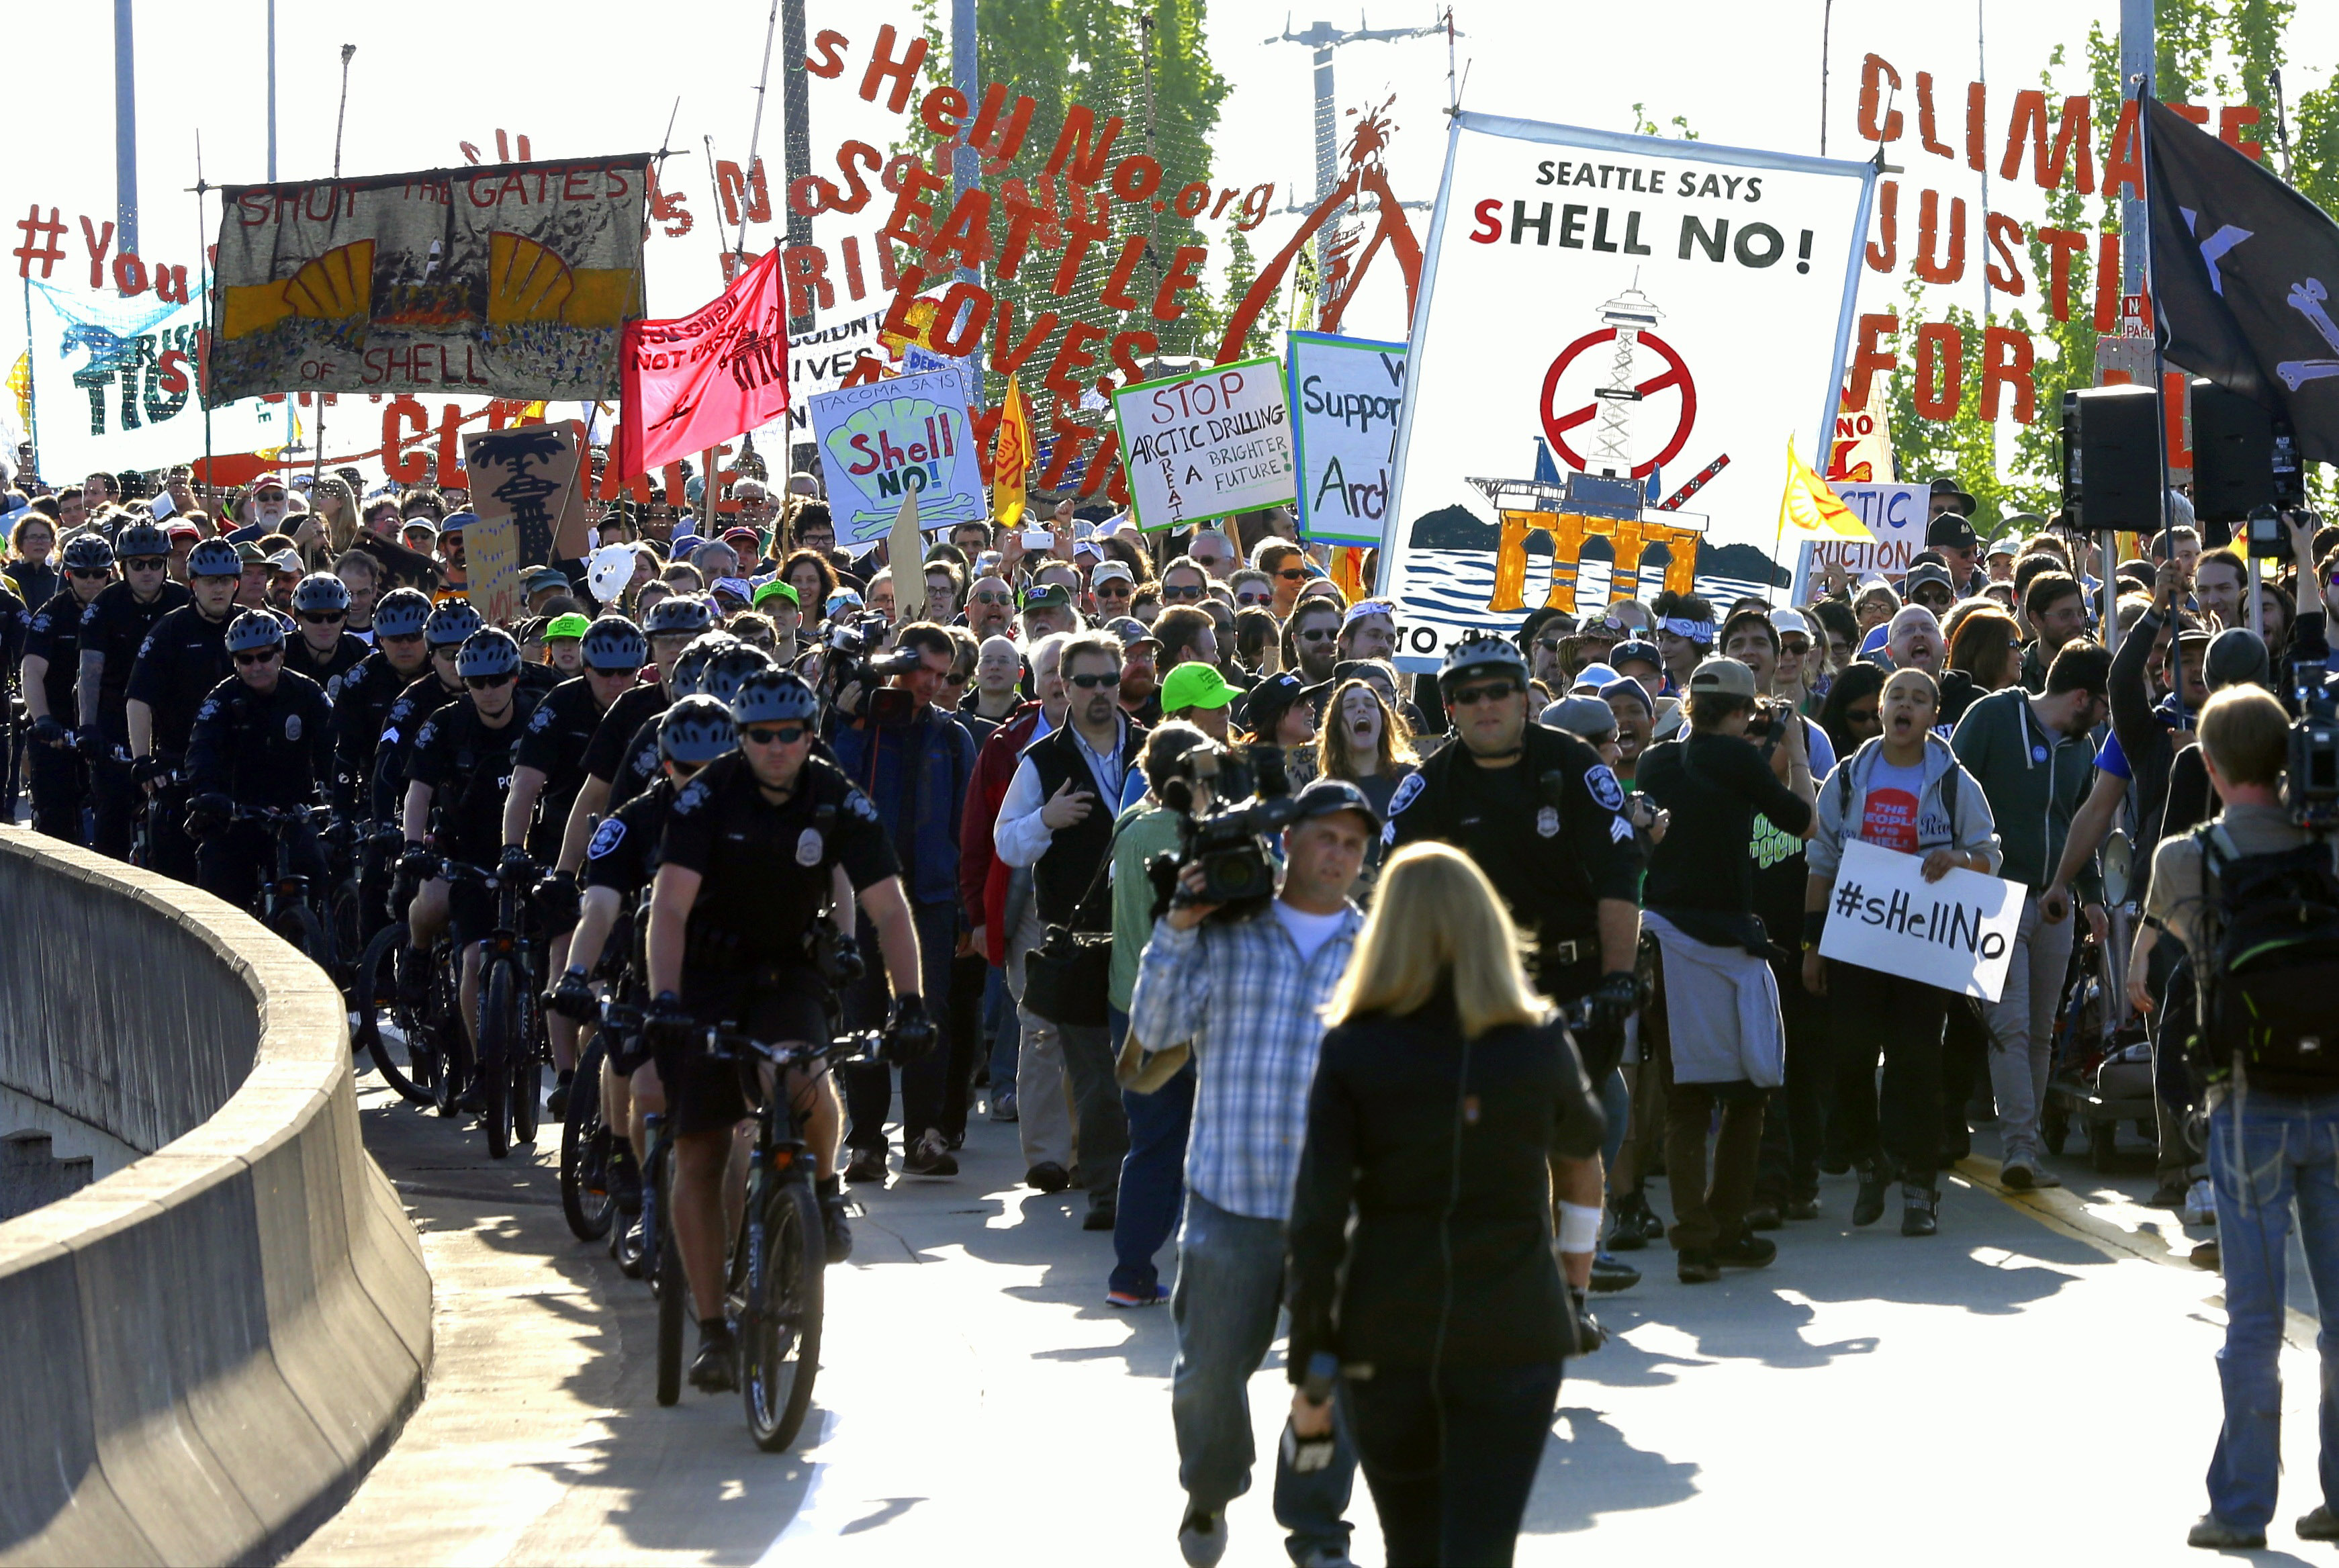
(52, 663)
(263, 738)
(183, 661)
(112, 629)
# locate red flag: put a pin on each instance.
(708, 377)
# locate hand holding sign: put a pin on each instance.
(1956, 930)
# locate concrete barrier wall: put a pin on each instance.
(205, 1351)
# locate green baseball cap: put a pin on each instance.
(1195, 684)
(566, 626)
(776, 589)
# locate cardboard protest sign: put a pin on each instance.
(532, 476)
(1895, 514)
(492, 563)
(114, 381)
(508, 280)
(1346, 395)
(1672, 314)
(1957, 934)
(1206, 444)
(904, 545)
(883, 439)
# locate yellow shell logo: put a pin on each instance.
(890, 448)
(336, 285)
(527, 282)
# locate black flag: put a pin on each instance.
(2246, 271)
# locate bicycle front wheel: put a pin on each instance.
(498, 1040)
(673, 1290)
(780, 1330)
(298, 924)
(529, 1051)
(376, 1016)
(586, 1145)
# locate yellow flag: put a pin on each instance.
(1811, 510)
(20, 381)
(1011, 455)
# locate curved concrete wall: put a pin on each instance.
(205, 1351)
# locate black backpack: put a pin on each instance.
(2271, 974)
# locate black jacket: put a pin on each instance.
(1395, 1100)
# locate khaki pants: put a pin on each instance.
(1043, 1094)
(2022, 1028)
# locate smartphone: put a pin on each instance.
(1039, 539)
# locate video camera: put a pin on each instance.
(1223, 828)
(853, 658)
(2311, 784)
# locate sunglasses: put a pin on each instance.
(995, 597)
(1548, 644)
(1252, 598)
(1114, 588)
(323, 617)
(1318, 635)
(773, 735)
(1492, 692)
(1183, 596)
(1292, 574)
(401, 640)
(147, 562)
(260, 658)
(98, 575)
(446, 651)
(1090, 683)
(487, 682)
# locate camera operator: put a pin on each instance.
(1057, 818)
(915, 767)
(1247, 995)
(2262, 876)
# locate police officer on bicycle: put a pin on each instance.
(449, 626)
(671, 626)
(57, 773)
(183, 661)
(750, 849)
(112, 629)
(325, 650)
(264, 738)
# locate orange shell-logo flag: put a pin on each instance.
(1011, 457)
(1810, 510)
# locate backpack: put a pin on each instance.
(2268, 977)
(1843, 776)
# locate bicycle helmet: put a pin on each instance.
(488, 652)
(678, 613)
(613, 644)
(696, 730)
(320, 593)
(1481, 653)
(725, 672)
(254, 630)
(400, 613)
(451, 624)
(215, 558)
(771, 697)
(690, 676)
(141, 539)
(91, 553)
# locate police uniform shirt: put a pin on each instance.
(539, 678)
(116, 625)
(558, 733)
(614, 735)
(468, 768)
(424, 696)
(362, 696)
(271, 750)
(624, 854)
(325, 669)
(766, 867)
(180, 664)
(54, 634)
(637, 767)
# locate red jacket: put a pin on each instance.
(983, 876)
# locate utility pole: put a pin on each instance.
(271, 92)
(2136, 54)
(125, 132)
(1323, 38)
(796, 131)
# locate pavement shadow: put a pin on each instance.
(1591, 1470)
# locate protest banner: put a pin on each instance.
(883, 440)
(1345, 396)
(115, 384)
(1673, 313)
(701, 379)
(1896, 514)
(1206, 444)
(508, 280)
(492, 563)
(532, 476)
(1957, 934)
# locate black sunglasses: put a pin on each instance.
(98, 575)
(323, 617)
(1193, 592)
(401, 638)
(1494, 691)
(1090, 683)
(147, 562)
(487, 682)
(260, 657)
(773, 735)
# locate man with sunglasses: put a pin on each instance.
(1185, 581)
(671, 625)
(1253, 589)
(58, 776)
(1210, 551)
(457, 778)
(112, 629)
(990, 608)
(1311, 640)
(751, 853)
(447, 628)
(263, 737)
(1111, 588)
(362, 699)
(182, 662)
(324, 651)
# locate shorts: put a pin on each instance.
(470, 913)
(707, 1094)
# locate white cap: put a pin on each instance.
(1105, 571)
(1787, 620)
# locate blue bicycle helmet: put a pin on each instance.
(254, 630)
(215, 558)
(723, 673)
(689, 675)
(614, 645)
(678, 613)
(775, 696)
(488, 652)
(696, 730)
(451, 624)
(90, 553)
(320, 593)
(400, 613)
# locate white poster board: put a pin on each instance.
(1957, 934)
(1347, 396)
(1206, 444)
(1896, 514)
(1673, 311)
(883, 440)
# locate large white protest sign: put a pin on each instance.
(1346, 395)
(882, 440)
(1957, 934)
(1670, 315)
(114, 387)
(1895, 514)
(1206, 444)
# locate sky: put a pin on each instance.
(591, 78)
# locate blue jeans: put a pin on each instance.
(2266, 1151)
(1006, 1024)
(1152, 1174)
(1228, 1294)
(1451, 1460)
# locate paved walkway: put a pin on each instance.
(2036, 1381)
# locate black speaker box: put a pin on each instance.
(2119, 464)
(2233, 454)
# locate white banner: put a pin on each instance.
(1957, 934)
(882, 440)
(1206, 444)
(1666, 315)
(113, 388)
(1347, 396)
(1895, 514)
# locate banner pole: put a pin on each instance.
(32, 393)
(2144, 102)
(204, 360)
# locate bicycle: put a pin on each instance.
(512, 1043)
(424, 1077)
(286, 904)
(587, 1146)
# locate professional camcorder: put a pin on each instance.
(1229, 798)
(855, 658)
(2311, 784)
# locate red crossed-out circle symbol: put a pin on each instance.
(1556, 424)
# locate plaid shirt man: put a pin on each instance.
(1239, 993)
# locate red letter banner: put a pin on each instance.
(708, 377)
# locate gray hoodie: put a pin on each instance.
(1843, 799)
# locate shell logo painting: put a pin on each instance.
(884, 440)
(507, 281)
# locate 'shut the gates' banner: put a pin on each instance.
(507, 281)
(1673, 315)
